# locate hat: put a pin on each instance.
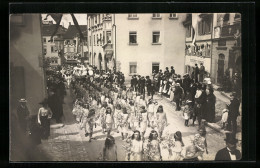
(230, 139)
(177, 84)
(22, 100)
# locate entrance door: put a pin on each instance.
(155, 67)
(221, 64)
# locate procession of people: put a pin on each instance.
(103, 100)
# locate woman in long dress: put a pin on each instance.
(44, 116)
(176, 151)
(136, 147)
(172, 89)
(110, 149)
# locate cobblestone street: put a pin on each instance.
(68, 143)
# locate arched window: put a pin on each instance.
(221, 57)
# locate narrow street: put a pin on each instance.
(68, 143)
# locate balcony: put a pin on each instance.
(229, 30)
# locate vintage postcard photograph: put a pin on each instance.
(125, 87)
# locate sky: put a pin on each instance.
(66, 18)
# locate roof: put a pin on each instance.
(48, 29)
(72, 31)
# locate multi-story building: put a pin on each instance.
(100, 42)
(226, 50)
(217, 44)
(137, 43)
(72, 43)
(53, 50)
(149, 42)
(201, 53)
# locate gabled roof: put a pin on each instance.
(72, 31)
(48, 29)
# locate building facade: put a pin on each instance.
(136, 43)
(149, 42)
(100, 40)
(72, 49)
(217, 45)
(53, 50)
(26, 61)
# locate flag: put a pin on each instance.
(77, 27)
(195, 20)
(57, 18)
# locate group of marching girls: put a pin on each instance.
(121, 110)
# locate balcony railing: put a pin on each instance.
(230, 30)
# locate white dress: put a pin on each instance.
(136, 150)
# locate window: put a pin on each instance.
(156, 37)
(95, 19)
(108, 37)
(132, 38)
(97, 40)
(53, 49)
(94, 40)
(44, 50)
(133, 67)
(173, 15)
(156, 15)
(132, 16)
(74, 42)
(204, 26)
(188, 31)
(44, 40)
(100, 39)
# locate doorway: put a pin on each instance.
(155, 67)
(221, 64)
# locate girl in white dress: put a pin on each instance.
(136, 147)
(176, 151)
(143, 121)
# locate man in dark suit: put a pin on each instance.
(233, 114)
(177, 96)
(142, 85)
(134, 83)
(229, 152)
(172, 70)
(196, 73)
(201, 72)
(148, 83)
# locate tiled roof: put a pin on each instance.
(48, 29)
(72, 31)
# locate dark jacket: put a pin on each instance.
(234, 108)
(223, 154)
(196, 71)
(177, 93)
